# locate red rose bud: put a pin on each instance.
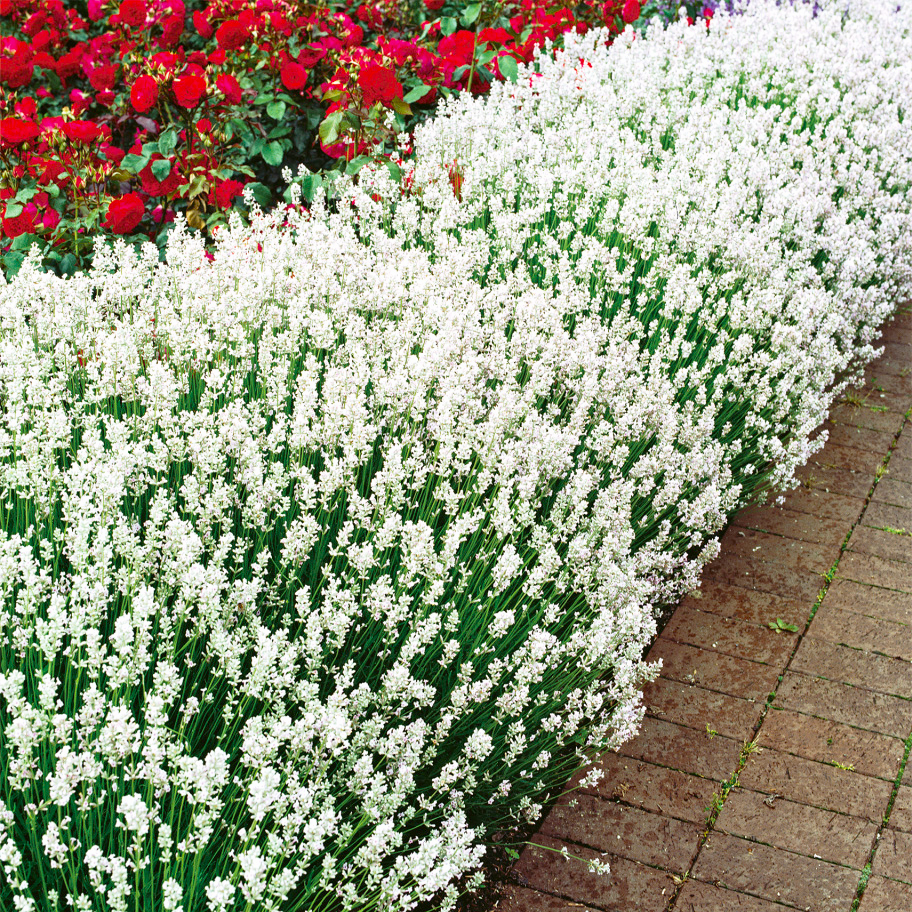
(631, 11)
(132, 13)
(188, 90)
(229, 87)
(124, 213)
(231, 35)
(294, 76)
(14, 131)
(144, 94)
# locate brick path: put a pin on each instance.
(769, 773)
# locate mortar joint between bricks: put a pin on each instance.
(751, 746)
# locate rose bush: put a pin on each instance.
(282, 85)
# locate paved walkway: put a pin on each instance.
(771, 770)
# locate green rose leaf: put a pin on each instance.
(356, 164)
(12, 262)
(276, 109)
(508, 67)
(273, 153)
(24, 241)
(134, 163)
(329, 129)
(261, 194)
(417, 93)
(471, 13)
(309, 186)
(161, 169)
(167, 142)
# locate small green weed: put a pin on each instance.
(779, 626)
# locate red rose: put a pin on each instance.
(631, 11)
(124, 213)
(172, 29)
(231, 35)
(26, 107)
(79, 101)
(103, 77)
(144, 94)
(18, 224)
(433, 5)
(294, 76)
(112, 153)
(378, 84)
(226, 192)
(494, 36)
(68, 64)
(153, 186)
(50, 219)
(311, 56)
(132, 13)
(14, 131)
(54, 173)
(372, 16)
(354, 36)
(83, 131)
(229, 87)
(203, 25)
(17, 73)
(188, 90)
(458, 48)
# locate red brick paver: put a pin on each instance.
(769, 772)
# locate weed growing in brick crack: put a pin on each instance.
(780, 626)
(862, 886)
